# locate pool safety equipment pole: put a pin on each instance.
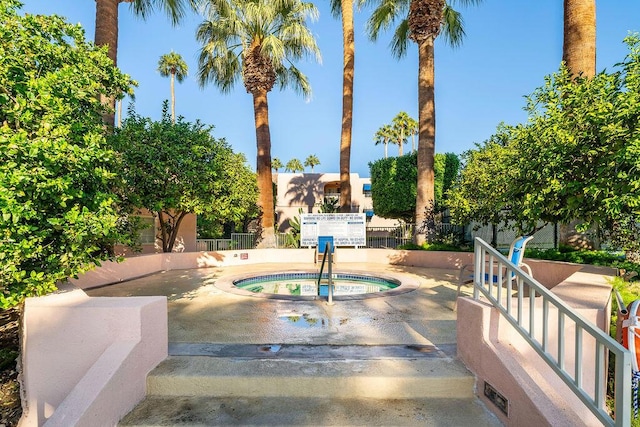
(330, 273)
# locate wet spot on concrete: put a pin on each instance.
(305, 321)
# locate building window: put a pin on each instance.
(148, 230)
(366, 190)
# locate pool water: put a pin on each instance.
(306, 284)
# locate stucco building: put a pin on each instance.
(309, 191)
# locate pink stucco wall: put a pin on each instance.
(85, 360)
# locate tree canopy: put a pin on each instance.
(576, 157)
(59, 211)
(312, 161)
(294, 165)
(173, 169)
(393, 184)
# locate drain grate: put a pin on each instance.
(499, 400)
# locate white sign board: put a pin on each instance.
(347, 229)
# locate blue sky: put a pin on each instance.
(510, 46)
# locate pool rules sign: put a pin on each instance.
(347, 229)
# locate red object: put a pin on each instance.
(631, 332)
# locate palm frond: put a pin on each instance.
(174, 9)
(452, 27)
(400, 41)
(336, 8)
(292, 77)
(384, 15)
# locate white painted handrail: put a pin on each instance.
(519, 298)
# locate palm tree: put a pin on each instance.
(107, 25)
(383, 136)
(412, 128)
(312, 161)
(420, 21)
(276, 164)
(401, 129)
(344, 8)
(294, 165)
(579, 48)
(257, 40)
(172, 65)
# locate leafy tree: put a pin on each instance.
(392, 191)
(107, 26)
(59, 214)
(393, 187)
(451, 170)
(174, 169)
(258, 41)
(312, 161)
(172, 65)
(344, 9)
(276, 164)
(294, 165)
(479, 193)
(577, 157)
(383, 136)
(420, 21)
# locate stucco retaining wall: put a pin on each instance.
(85, 360)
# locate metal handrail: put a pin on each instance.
(327, 256)
(489, 263)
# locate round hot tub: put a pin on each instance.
(306, 285)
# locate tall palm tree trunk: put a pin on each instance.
(426, 139)
(385, 149)
(347, 105)
(173, 98)
(263, 166)
(579, 55)
(579, 47)
(107, 35)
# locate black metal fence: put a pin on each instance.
(393, 237)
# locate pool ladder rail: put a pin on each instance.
(327, 258)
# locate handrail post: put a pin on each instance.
(330, 272)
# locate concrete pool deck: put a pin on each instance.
(200, 312)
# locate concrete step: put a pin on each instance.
(296, 411)
(323, 385)
(374, 372)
